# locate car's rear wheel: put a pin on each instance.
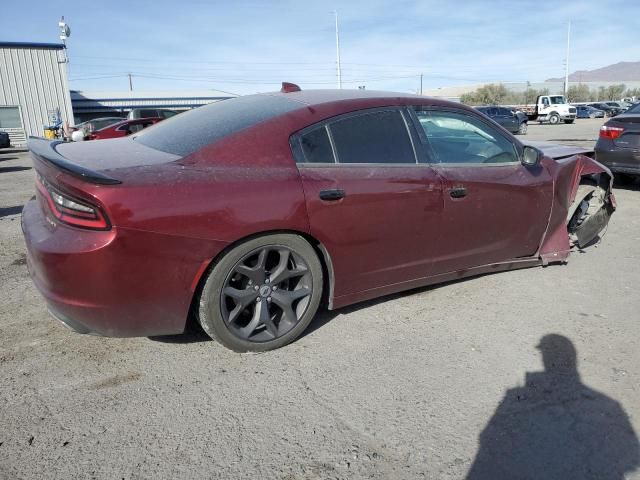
(568, 121)
(262, 294)
(522, 129)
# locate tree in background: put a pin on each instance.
(492, 94)
(632, 92)
(498, 94)
(612, 92)
(580, 93)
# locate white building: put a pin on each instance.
(34, 89)
(92, 104)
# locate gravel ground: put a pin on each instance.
(397, 388)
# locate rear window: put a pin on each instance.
(190, 131)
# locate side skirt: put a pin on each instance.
(352, 298)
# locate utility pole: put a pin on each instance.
(420, 84)
(339, 68)
(130, 82)
(566, 64)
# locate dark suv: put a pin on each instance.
(4, 140)
(515, 122)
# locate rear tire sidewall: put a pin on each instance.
(522, 130)
(209, 307)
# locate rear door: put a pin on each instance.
(509, 120)
(495, 208)
(369, 201)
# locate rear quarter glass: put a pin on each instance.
(190, 131)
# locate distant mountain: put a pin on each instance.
(618, 72)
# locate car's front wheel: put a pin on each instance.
(262, 294)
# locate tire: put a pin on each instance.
(522, 129)
(568, 122)
(554, 119)
(242, 290)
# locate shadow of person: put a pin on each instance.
(555, 427)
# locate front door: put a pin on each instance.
(495, 209)
(369, 202)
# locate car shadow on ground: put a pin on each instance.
(194, 333)
(556, 427)
(626, 183)
(6, 211)
(13, 169)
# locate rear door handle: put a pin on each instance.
(332, 195)
(458, 192)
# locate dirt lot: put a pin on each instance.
(397, 388)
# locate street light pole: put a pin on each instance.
(566, 66)
(339, 68)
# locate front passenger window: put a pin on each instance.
(458, 138)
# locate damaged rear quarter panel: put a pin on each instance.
(567, 174)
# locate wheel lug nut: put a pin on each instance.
(258, 300)
(275, 288)
(256, 287)
(268, 299)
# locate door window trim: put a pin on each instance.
(416, 146)
(518, 148)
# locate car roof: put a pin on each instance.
(334, 96)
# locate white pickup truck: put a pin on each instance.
(549, 108)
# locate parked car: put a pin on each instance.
(607, 109)
(151, 113)
(251, 212)
(585, 111)
(515, 122)
(621, 106)
(618, 145)
(123, 128)
(5, 142)
(82, 130)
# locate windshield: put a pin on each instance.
(557, 100)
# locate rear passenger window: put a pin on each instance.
(316, 146)
(375, 137)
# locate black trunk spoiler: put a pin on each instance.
(45, 150)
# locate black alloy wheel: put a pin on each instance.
(266, 294)
(262, 294)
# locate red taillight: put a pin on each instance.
(70, 210)
(610, 132)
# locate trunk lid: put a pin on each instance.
(102, 162)
(630, 138)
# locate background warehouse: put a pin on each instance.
(34, 90)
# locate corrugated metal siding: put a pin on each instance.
(36, 80)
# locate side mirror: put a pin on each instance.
(531, 156)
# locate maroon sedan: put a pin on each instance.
(249, 213)
(123, 128)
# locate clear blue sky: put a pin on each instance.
(251, 46)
